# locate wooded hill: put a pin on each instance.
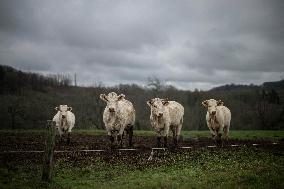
(28, 100)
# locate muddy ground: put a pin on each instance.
(143, 144)
(34, 142)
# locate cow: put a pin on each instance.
(118, 116)
(64, 120)
(166, 115)
(218, 118)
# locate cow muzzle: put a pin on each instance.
(111, 110)
(160, 114)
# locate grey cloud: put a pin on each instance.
(190, 44)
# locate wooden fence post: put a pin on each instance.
(48, 161)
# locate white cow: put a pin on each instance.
(64, 119)
(166, 115)
(218, 118)
(118, 116)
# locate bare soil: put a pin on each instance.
(143, 144)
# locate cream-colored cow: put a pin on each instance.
(166, 115)
(65, 120)
(218, 118)
(118, 116)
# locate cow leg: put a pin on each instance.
(220, 141)
(111, 138)
(60, 135)
(214, 136)
(165, 137)
(130, 135)
(159, 141)
(213, 133)
(174, 135)
(218, 137)
(165, 134)
(226, 132)
(120, 137)
(178, 129)
(69, 135)
(210, 128)
(165, 141)
(60, 132)
(68, 138)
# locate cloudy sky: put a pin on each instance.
(189, 44)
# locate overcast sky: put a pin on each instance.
(189, 44)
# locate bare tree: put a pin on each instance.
(155, 84)
(75, 79)
(15, 110)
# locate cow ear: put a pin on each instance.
(103, 97)
(165, 102)
(69, 108)
(220, 103)
(205, 103)
(56, 108)
(150, 102)
(121, 97)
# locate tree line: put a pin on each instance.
(28, 100)
(13, 81)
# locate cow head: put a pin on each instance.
(158, 106)
(112, 101)
(211, 105)
(63, 110)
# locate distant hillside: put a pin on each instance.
(231, 87)
(27, 100)
(276, 85)
(13, 81)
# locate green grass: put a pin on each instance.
(240, 134)
(243, 168)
